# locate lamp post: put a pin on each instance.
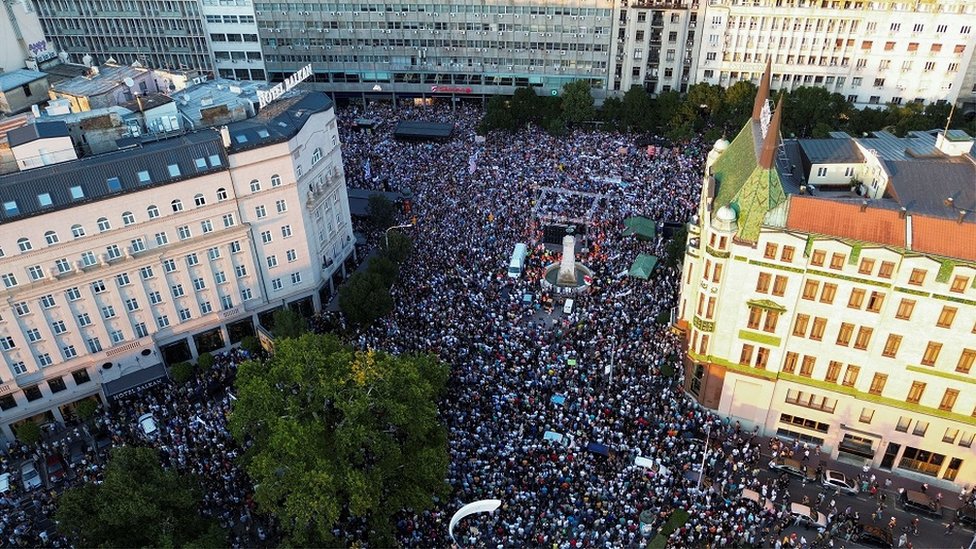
(701, 472)
(387, 235)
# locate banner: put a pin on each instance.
(482, 506)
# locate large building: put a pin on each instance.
(872, 53)
(116, 264)
(829, 294)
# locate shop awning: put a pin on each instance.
(643, 266)
(641, 226)
(134, 381)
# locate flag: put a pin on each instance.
(367, 171)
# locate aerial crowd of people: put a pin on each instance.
(547, 411)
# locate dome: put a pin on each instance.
(721, 145)
(726, 214)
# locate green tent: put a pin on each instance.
(643, 266)
(643, 227)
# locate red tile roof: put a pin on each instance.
(945, 237)
(845, 220)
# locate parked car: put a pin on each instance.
(792, 467)
(77, 451)
(756, 500)
(871, 535)
(29, 476)
(5, 487)
(56, 468)
(808, 517)
(967, 514)
(839, 481)
(913, 500)
(148, 424)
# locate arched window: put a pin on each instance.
(103, 224)
(128, 218)
(177, 205)
(152, 211)
(275, 180)
(24, 245)
(199, 200)
(255, 185)
(221, 194)
(51, 237)
(77, 231)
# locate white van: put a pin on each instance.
(568, 307)
(517, 263)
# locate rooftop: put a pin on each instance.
(830, 151)
(37, 130)
(277, 122)
(199, 97)
(17, 78)
(147, 102)
(109, 77)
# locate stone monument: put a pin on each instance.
(567, 265)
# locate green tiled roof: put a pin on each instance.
(742, 184)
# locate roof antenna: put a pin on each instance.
(949, 120)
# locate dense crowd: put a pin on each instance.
(546, 411)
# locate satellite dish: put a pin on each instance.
(129, 82)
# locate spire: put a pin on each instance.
(763, 94)
(768, 155)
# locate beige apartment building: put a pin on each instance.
(114, 265)
(829, 294)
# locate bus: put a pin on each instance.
(517, 263)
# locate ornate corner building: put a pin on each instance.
(829, 293)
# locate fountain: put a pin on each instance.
(568, 276)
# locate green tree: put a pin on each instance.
(737, 107)
(674, 253)
(139, 504)
(578, 103)
(288, 323)
(385, 268)
(400, 246)
(666, 106)
(637, 109)
(808, 106)
(205, 361)
(612, 112)
(340, 433)
(251, 344)
(86, 409)
(28, 432)
(181, 372)
(700, 104)
(365, 298)
(498, 116)
(524, 107)
(382, 212)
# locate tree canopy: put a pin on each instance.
(288, 323)
(339, 433)
(139, 504)
(578, 103)
(382, 212)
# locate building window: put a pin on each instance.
(755, 315)
(875, 302)
(833, 371)
(931, 354)
(949, 400)
(221, 194)
(789, 364)
(863, 337)
(800, 326)
(850, 376)
(917, 277)
(770, 252)
(745, 357)
(810, 289)
(184, 315)
(946, 317)
(818, 258)
(51, 237)
(867, 415)
(845, 333)
(819, 325)
(260, 212)
(950, 435)
(921, 427)
(173, 169)
(878, 383)
(228, 220)
(152, 212)
(772, 318)
(762, 284)
(966, 440)
(828, 293)
(886, 269)
(892, 345)
(276, 284)
(255, 185)
(807, 366)
(177, 205)
(286, 232)
(281, 206)
(762, 357)
(779, 285)
(77, 231)
(905, 309)
(959, 284)
(915, 392)
(275, 180)
(199, 199)
(837, 261)
(856, 299)
(966, 361)
(903, 424)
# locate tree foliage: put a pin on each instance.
(675, 251)
(399, 249)
(139, 504)
(338, 432)
(28, 432)
(364, 298)
(385, 268)
(181, 372)
(251, 344)
(87, 408)
(382, 212)
(288, 323)
(638, 110)
(578, 103)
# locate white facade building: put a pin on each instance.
(114, 264)
(842, 314)
(234, 39)
(872, 53)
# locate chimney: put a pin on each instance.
(948, 202)
(771, 142)
(225, 136)
(903, 213)
(864, 205)
(763, 94)
(962, 215)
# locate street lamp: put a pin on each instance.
(404, 226)
(701, 472)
